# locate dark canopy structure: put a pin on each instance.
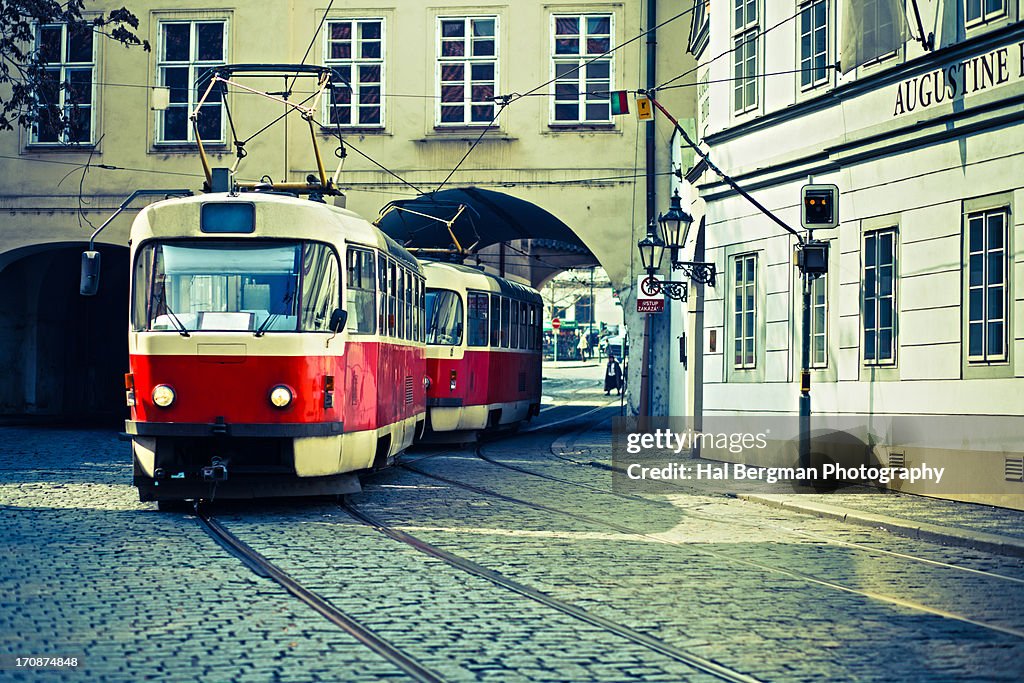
(488, 217)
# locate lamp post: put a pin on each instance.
(674, 225)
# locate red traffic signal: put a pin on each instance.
(819, 206)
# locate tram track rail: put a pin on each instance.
(262, 566)
(791, 573)
(700, 663)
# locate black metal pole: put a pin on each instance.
(652, 63)
(805, 373)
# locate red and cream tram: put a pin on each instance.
(276, 347)
(483, 350)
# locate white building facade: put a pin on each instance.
(915, 110)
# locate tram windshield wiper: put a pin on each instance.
(287, 299)
(182, 330)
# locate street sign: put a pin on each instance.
(649, 297)
(556, 323)
(643, 109)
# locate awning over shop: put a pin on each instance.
(488, 218)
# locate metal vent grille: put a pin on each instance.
(1013, 469)
(522, 381)
(897, 459)
(354, 389)
(408, 390)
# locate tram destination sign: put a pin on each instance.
(960, 79)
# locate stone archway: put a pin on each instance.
(64, 354)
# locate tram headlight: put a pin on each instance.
(280, 396)
(163, 395)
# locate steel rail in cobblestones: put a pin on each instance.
(706, 665)
(708, 518)
(265, 567)
(908, 604)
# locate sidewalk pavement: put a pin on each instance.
(969, 525)
(593, 362)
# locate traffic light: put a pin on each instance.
(812, 257)
(819, 206)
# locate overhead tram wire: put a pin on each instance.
(504, 100)
(729, 52)
(744, 78)
(516, 96)
(312, 40)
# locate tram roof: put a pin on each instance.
(289, 217)
(467, 277)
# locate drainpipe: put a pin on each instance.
(652, 9)
(648, 359)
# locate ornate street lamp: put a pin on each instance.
(652, 250)
(674, 224)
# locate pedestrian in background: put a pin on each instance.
(583, 346)
(613, 376)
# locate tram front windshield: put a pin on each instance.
(266, 286)
(444, 317)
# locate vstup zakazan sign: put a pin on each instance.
(961, 79)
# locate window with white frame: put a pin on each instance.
(744, 38)
(467, 70)
(813, 43)
(700, 25)
(355, 49)
(188, 49)
(879, 284)
(819, 322)
(979, 11)
(987, 286)
(582, 82)
(745, 312)
(65, 101)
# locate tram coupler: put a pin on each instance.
(217, 470)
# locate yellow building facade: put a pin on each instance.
(427, 81)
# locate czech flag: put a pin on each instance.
(620, 104)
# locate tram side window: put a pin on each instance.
(410, 331)
(444, 317)
(495, 320)
(538, 332)
(538, 328)
(400, 295)
(423, 311)
(392, 299)
(321, 286)
(506, 317)
(514, 326)
(415, 307)
(533, 326)
(477, 319)
(382, 300)
(360, 300)
(523, 326)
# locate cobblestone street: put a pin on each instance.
(566, 580)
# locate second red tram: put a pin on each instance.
(483, 352)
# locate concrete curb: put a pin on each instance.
(935, 533)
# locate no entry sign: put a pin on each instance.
(556, 323)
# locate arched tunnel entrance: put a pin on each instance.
(65, 354)
(518, 238)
